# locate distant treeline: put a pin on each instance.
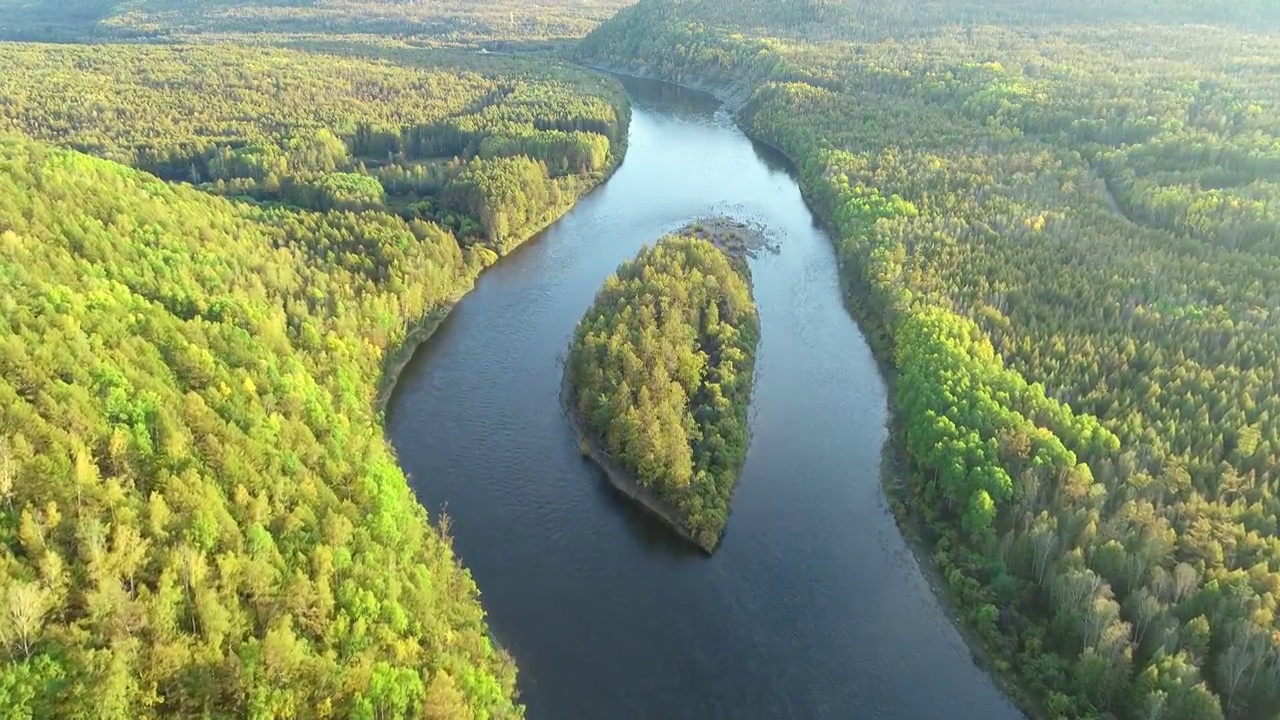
(439, 21)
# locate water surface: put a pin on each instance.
(813, 607)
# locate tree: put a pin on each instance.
(26, 605)
(6, 474)
(393, 693)
(443, 701)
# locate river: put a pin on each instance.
(813, 607)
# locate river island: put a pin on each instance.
(659, 375)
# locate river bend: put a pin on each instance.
(813, 607)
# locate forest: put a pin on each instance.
(460, 23)
(660, 372)
(1057, 222)
(199, 513)
(490, 148)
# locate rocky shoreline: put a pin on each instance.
(735, 238)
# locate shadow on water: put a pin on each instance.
(774, 160)
(670, 100)
(648, 531)
(813, 606)
(779, 164)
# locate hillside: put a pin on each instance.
(199, 514)
(202, 514)
(1061, 231)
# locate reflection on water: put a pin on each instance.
(813, 606)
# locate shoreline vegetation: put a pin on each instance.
(659, 375)
(622, 479)
(422, 330)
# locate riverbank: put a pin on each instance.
(592, 448)
(398, 358)
(895, 471)
(896, 474)
(733, 95)
(395, 361)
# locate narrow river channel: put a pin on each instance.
(813, 607)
